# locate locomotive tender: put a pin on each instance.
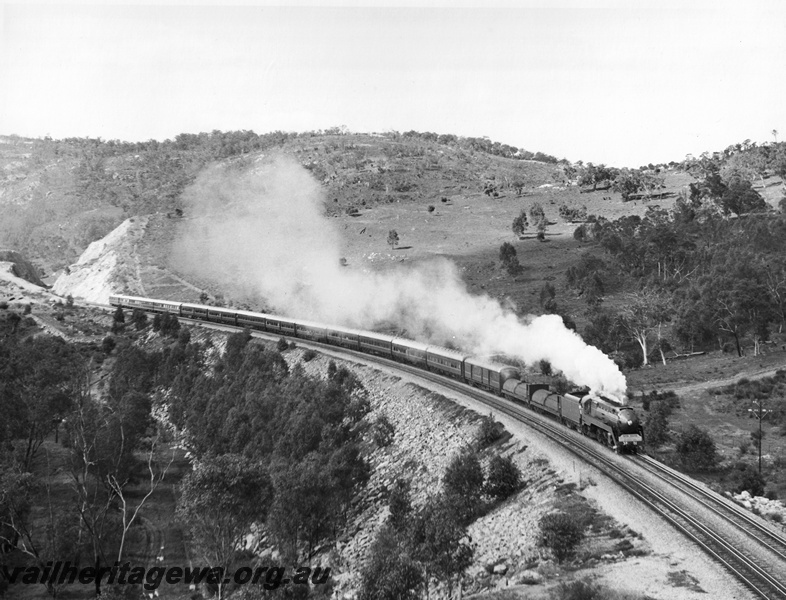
(611, 423)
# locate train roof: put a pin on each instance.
(489, 364)
(376, 336)
(342, 329)
(441, 350)
(141, 299)
(411, 343)
(251, 313)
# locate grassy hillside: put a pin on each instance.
(57, 196)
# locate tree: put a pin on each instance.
(520, 223)
(547, 299)
(509, 259)
(139, 319)
(740, 198)
(658, 424)
(696, 449)
(389, 574)
(119, 316)
(463, 486)
(504, 478)
(221, 498)
(439, 543)
(400, 505)
(588, 278)
(644, 314)
(393, 238)
(537, 214)
(560, 533)
(627, 183)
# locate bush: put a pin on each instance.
(560, 533)
(383, 431)
(309, 355)
(696, 449)
(108, 344)
(139, 319)
(545, 367)
(28, 309)
(282, 345)
(504, 478)
(463, 486)
(489, 432)
(579, 590)
(745, 477)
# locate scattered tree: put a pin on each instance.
(393, 238)
(509, 259)
(520, 223)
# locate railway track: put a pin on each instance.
(749, 550)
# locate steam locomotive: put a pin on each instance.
(611, 423)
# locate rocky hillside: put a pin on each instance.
(57, 197)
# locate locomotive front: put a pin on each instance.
(629, 427)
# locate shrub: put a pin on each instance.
(282, 344)
(431, 208)
(489, 432)
(745, 477)
(545, 367)
(696, 449)
(309, 355)
(3, 305)
(520, 224)
(504, 478)
(560, 533)
(108, 344)
(463, 486)
(383, 431)
(139, 319)
(28, 309)
(578, 590)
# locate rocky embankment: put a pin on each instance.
(429, 431)
(107, 266)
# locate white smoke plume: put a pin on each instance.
(264, 231)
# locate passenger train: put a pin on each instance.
(611, 423)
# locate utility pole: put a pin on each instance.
(760, 413)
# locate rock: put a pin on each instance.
(529, 577)
(500, 569)
(747, 504)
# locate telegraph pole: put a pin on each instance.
(760, 414)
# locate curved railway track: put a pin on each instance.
(748, 549)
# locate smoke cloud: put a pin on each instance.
(262, 232)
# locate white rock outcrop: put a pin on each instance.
(107, 266)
